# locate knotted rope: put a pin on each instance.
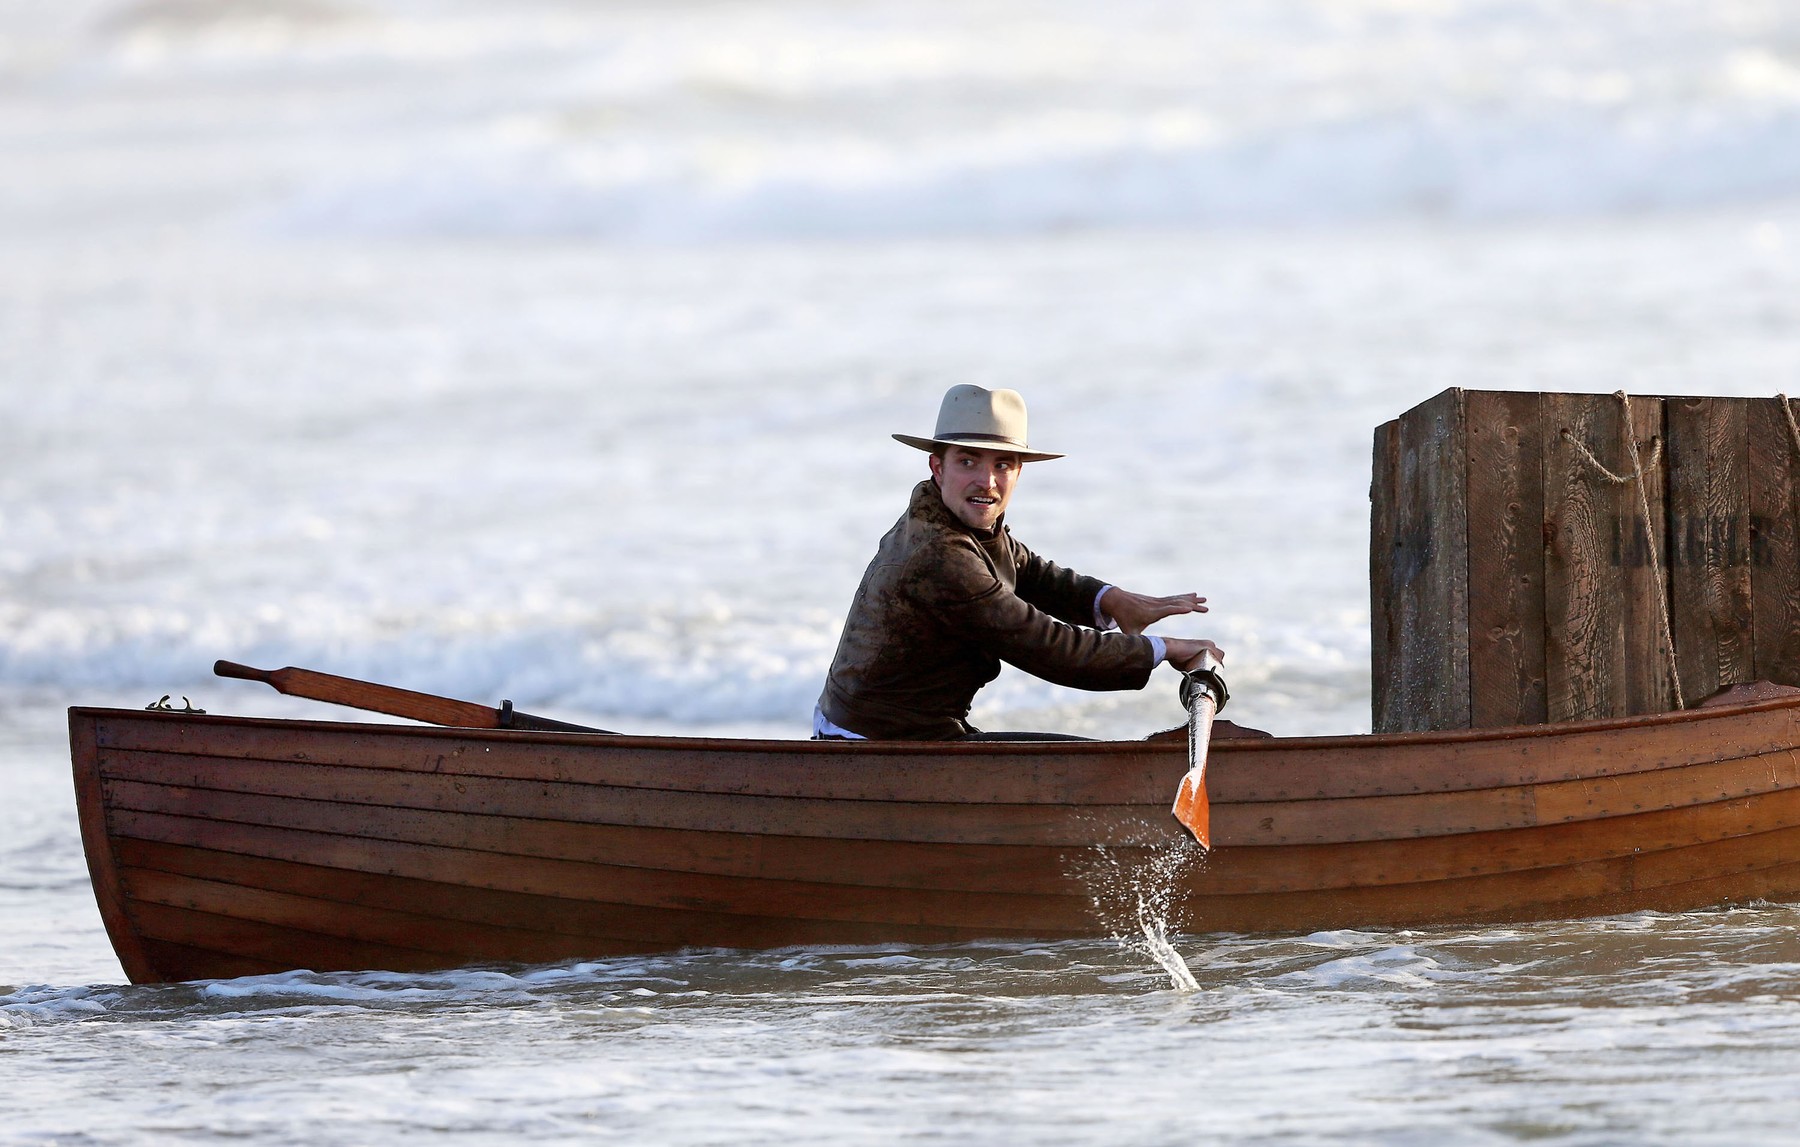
(1636, 475)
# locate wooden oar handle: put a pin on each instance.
(241, 672)
(394, 702)
(335, 690)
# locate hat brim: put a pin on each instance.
(931, 445)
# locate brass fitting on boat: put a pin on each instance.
(161, 705)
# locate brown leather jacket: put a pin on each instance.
(938, 610)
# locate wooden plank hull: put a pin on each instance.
(226, 846)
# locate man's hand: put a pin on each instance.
(1184, 652)
(1134, 612)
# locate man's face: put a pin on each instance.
(976, 484)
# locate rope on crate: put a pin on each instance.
(1587, 455)
(1637, 472)
(1787, 408)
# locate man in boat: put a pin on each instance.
(951, 594)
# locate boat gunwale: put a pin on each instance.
(965, 748)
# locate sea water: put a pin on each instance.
(550, 351)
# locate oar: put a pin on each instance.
(394, 702)
(1203, 692)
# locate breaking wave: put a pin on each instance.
(1424, 162)
(654, 673)
(321, 118)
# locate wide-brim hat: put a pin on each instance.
(976, 418)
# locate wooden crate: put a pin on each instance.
(1513, 582)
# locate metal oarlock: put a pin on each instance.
(1205, 677)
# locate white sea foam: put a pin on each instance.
(881, 119)
(1398, 965)
(1469, 163)
(39, 1004)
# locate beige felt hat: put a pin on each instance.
(980, 419)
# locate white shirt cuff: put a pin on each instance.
(1102, 620)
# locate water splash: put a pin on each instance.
(1135, 896)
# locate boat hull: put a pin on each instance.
(224, 846)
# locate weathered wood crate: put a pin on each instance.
(1515, 580)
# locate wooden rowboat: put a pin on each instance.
(224, 846)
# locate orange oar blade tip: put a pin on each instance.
(1193, 810)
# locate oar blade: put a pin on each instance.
(1192, 808)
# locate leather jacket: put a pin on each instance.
(938, 610)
